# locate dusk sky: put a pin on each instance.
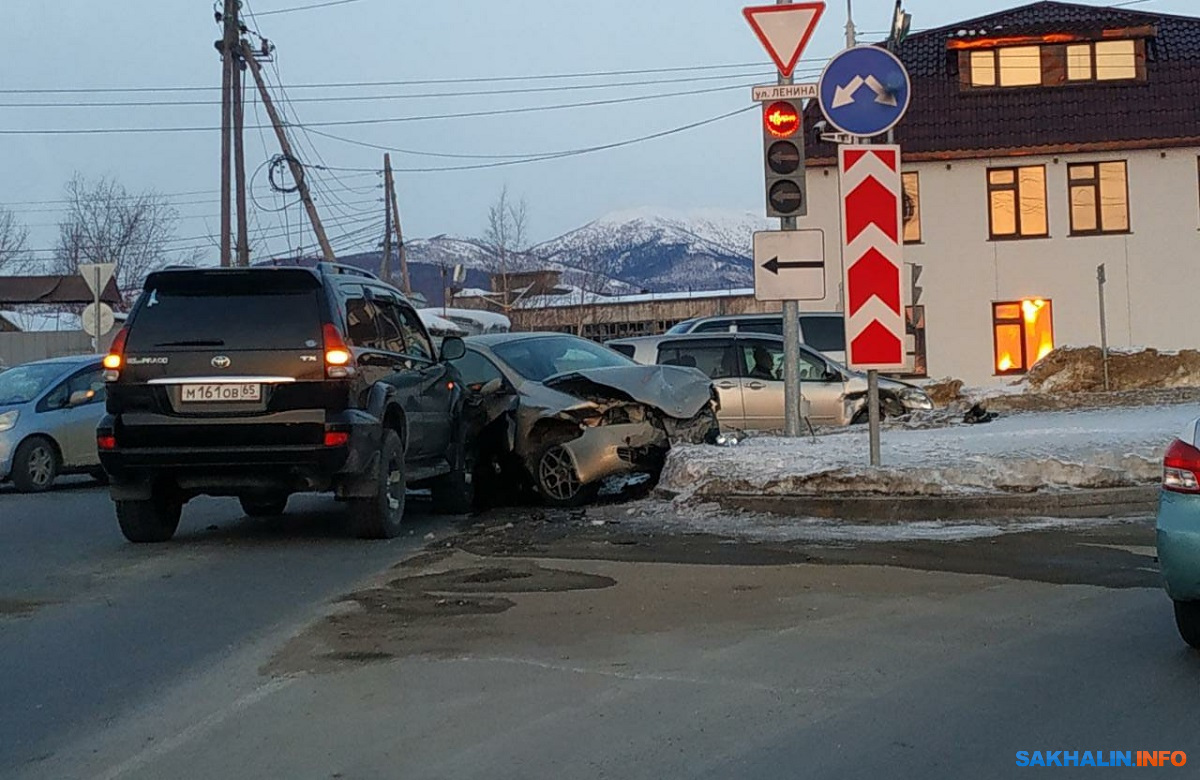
(156, 44)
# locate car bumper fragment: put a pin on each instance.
(598, 452)
(1179, 545)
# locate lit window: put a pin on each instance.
(1116, 60)
(983, 68)
(1017, 202)
(1079, 62)
(912, 208)
(1023, 332)
(1099, 198)
(1021, 66)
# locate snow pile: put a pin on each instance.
(1081, 370)
(1022, 453)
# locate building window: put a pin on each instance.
(1012, 66)
(1017, 202)
(1099, 198)
(1103, 61)
(912, 208)
(914, 320)
(1023, 333)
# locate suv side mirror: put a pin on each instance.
(832, 375)
(453, 348)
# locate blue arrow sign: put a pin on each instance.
(864, 91)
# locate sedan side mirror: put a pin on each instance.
(832, 375)
(453, 348)
(81, 397)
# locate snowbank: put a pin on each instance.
(1022, 453)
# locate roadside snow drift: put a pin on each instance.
(1022, 453)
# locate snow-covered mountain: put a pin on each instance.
(661, 250)
(649, 249)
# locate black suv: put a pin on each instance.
(263, 382)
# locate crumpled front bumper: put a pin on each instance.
(1179, 545)
(608, 450)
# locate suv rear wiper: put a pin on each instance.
(197, 343)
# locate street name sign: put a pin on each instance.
(769, 92)
(789, 265)
(865, 91)
(873, 255)
(784, 30)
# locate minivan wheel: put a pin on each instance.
(151, 521)
(264, 507)
(1187, 619)
(381, 516)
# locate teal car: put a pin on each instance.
(1179, 531)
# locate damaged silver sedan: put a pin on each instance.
(564, 414)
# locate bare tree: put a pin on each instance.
(104, 223)
(506, 237)
(13, 238)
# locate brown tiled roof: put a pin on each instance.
(52, 289)
(945, 121)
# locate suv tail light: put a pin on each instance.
(1181, 468)
(337, 354)
(114, 361)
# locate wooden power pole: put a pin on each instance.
(385, 264)
(228, 42)
(294, 164)
(239, 160)
(391, 186)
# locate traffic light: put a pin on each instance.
(783, 153)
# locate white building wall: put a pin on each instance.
(1153, 272)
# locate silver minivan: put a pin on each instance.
(824, 331)
(747, 370)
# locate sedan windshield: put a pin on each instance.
(22, 384)
(538, 359)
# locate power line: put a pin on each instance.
(414, 96)
(409, 82)
(389, 120)
(306, 7)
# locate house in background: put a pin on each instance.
(1041, 143)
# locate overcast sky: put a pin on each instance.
(104, 44)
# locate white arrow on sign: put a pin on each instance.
(97, 276)
(844, 96)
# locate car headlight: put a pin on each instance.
(913, 398)
(8, 420)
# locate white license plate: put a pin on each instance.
(219, 393)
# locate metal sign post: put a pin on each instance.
(784, 33)
(1101, 280)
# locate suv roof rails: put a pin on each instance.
(326, 267)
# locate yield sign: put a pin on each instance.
(784, 30)
(872, 252)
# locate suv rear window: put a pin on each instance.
(250, 311)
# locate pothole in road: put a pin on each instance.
(421, 613)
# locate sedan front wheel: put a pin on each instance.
(558, 479)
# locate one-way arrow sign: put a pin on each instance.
(773, 265)
(789, 265)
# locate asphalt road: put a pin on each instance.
(92, 627)
(549, 645)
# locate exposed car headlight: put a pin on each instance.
(8, 420)
(912, 398)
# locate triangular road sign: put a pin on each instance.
(784, 30)
(97, 276)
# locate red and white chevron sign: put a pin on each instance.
(873, 256)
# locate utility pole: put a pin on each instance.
(239, 157)
(793, 399)
(293, 164)
(228, 42)
(851, 33)
(404, 279)
(385, 265)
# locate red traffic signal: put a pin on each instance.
(782, 119)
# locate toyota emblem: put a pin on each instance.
(220, 361)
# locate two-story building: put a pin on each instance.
(1041, 143)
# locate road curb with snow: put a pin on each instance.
(882, 510)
